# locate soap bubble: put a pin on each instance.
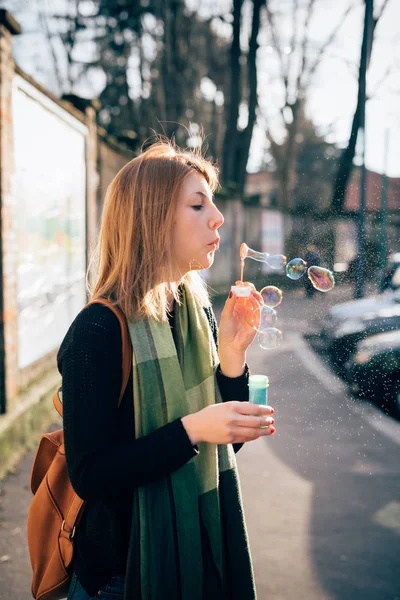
(275, 261)
(322, 279)
(270, 338)
(264, 318)
(272, 296)
(296, 268)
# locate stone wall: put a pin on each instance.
(26, 392)
(111, 158)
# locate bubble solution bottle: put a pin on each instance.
(243, 293)
(258, 389)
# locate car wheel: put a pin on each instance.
(395, 399)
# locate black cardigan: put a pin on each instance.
(105, 461)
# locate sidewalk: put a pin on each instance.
(15, 569)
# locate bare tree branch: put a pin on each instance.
(381, 81)
(295, 25)
(296, 73)
(384, 5)
(351, 65)
(304, 44)
(275, 41)
(346, 159)
(328, 43)
(49, 38)
(275, 150)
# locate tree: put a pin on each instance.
(346, 160)
(316, 163)
(174, 51)
(232, 105)
(237, 142)
(297, 60)
(152, 58)
(246, 135)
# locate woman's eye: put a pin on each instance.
(197, 207)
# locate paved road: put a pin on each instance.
(322, 497)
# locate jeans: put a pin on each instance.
(114, 590)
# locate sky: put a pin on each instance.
(332, 95)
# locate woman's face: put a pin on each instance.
(195, 236)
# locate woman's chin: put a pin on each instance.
(204, 263)
(209, 260)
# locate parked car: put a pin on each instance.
(338, 314)
(350, 332)
(373, 371)
(390, 279)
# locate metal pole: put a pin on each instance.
(360, 265)
(384, 203)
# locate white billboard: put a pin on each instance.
(49, 192)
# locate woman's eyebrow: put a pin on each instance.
(204, 195)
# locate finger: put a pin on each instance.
(249, 434)
(229, 305)
(255, 302)
(245, 408)
(257, 296)
(261, 433)
(256, 422)
(252, 305)
(268, 430)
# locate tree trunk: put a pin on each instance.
(244, 148)
(232, 105)
(346, 160)
(171, 12)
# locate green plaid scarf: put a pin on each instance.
(170, 516)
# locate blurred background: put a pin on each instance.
(298, 102)
(279, 90)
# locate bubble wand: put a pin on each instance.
(264, 320)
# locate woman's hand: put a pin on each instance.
(236, 330)
(229, 423)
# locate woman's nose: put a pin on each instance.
(216, 221)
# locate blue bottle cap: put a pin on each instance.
(258, 382)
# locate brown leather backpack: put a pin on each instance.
(56, 509)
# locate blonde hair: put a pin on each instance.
(133, 259)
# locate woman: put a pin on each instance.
(163, 517)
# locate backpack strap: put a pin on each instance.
(67, 531)
(126, 353)
(126, 343)
(71, 518)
